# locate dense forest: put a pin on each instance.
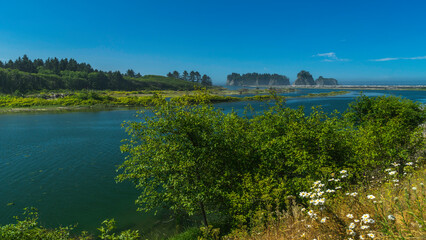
(236, 79)
(193, 76)
(26, 75)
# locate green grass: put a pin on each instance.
(189, 234)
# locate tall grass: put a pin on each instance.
(391, 207)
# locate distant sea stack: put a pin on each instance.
(255, 79)
(321, 81)
(304, 78)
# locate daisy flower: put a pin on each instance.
(371, 197)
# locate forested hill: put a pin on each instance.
(25, 75)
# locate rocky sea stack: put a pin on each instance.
(256, 79)
(321, 81)
(304, 78)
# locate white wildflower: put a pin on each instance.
(371, 235)
(371, 197)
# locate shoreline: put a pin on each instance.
(354, 87)
(212, 98)
(64, 109)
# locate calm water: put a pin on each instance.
(64, 164)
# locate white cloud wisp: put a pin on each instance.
(399, 58)
(330, 57)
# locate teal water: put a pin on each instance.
(64, 164)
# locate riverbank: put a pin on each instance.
(89, 101)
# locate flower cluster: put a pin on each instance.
(357, 228)
(361, 224)
(392, 172)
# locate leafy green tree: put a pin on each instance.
(176, 74)
(184, 157)
(383, 109)
(130, 73)
(196, 159)
(206, 80)
(192, 77)
(185, 75)
(197, 77)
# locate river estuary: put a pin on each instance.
(64, 164)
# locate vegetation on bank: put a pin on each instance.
(249, 176)
(25, 75)
(227, 169)
(327, 94)
(193, 76)
(84, 98)
(29, 228)
(391, 206)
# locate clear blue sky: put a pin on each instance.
(349, 40)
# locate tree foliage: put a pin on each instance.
(24, 75)
(257, 79)
(193, 76)
(199, 160)
(30, 229)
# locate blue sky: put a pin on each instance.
(353, 41)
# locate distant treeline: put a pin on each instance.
(26, 75)
(193, 76)
(237, 79)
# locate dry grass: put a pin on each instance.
(396, 212)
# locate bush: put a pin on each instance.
(199, 160)
(29, 229)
